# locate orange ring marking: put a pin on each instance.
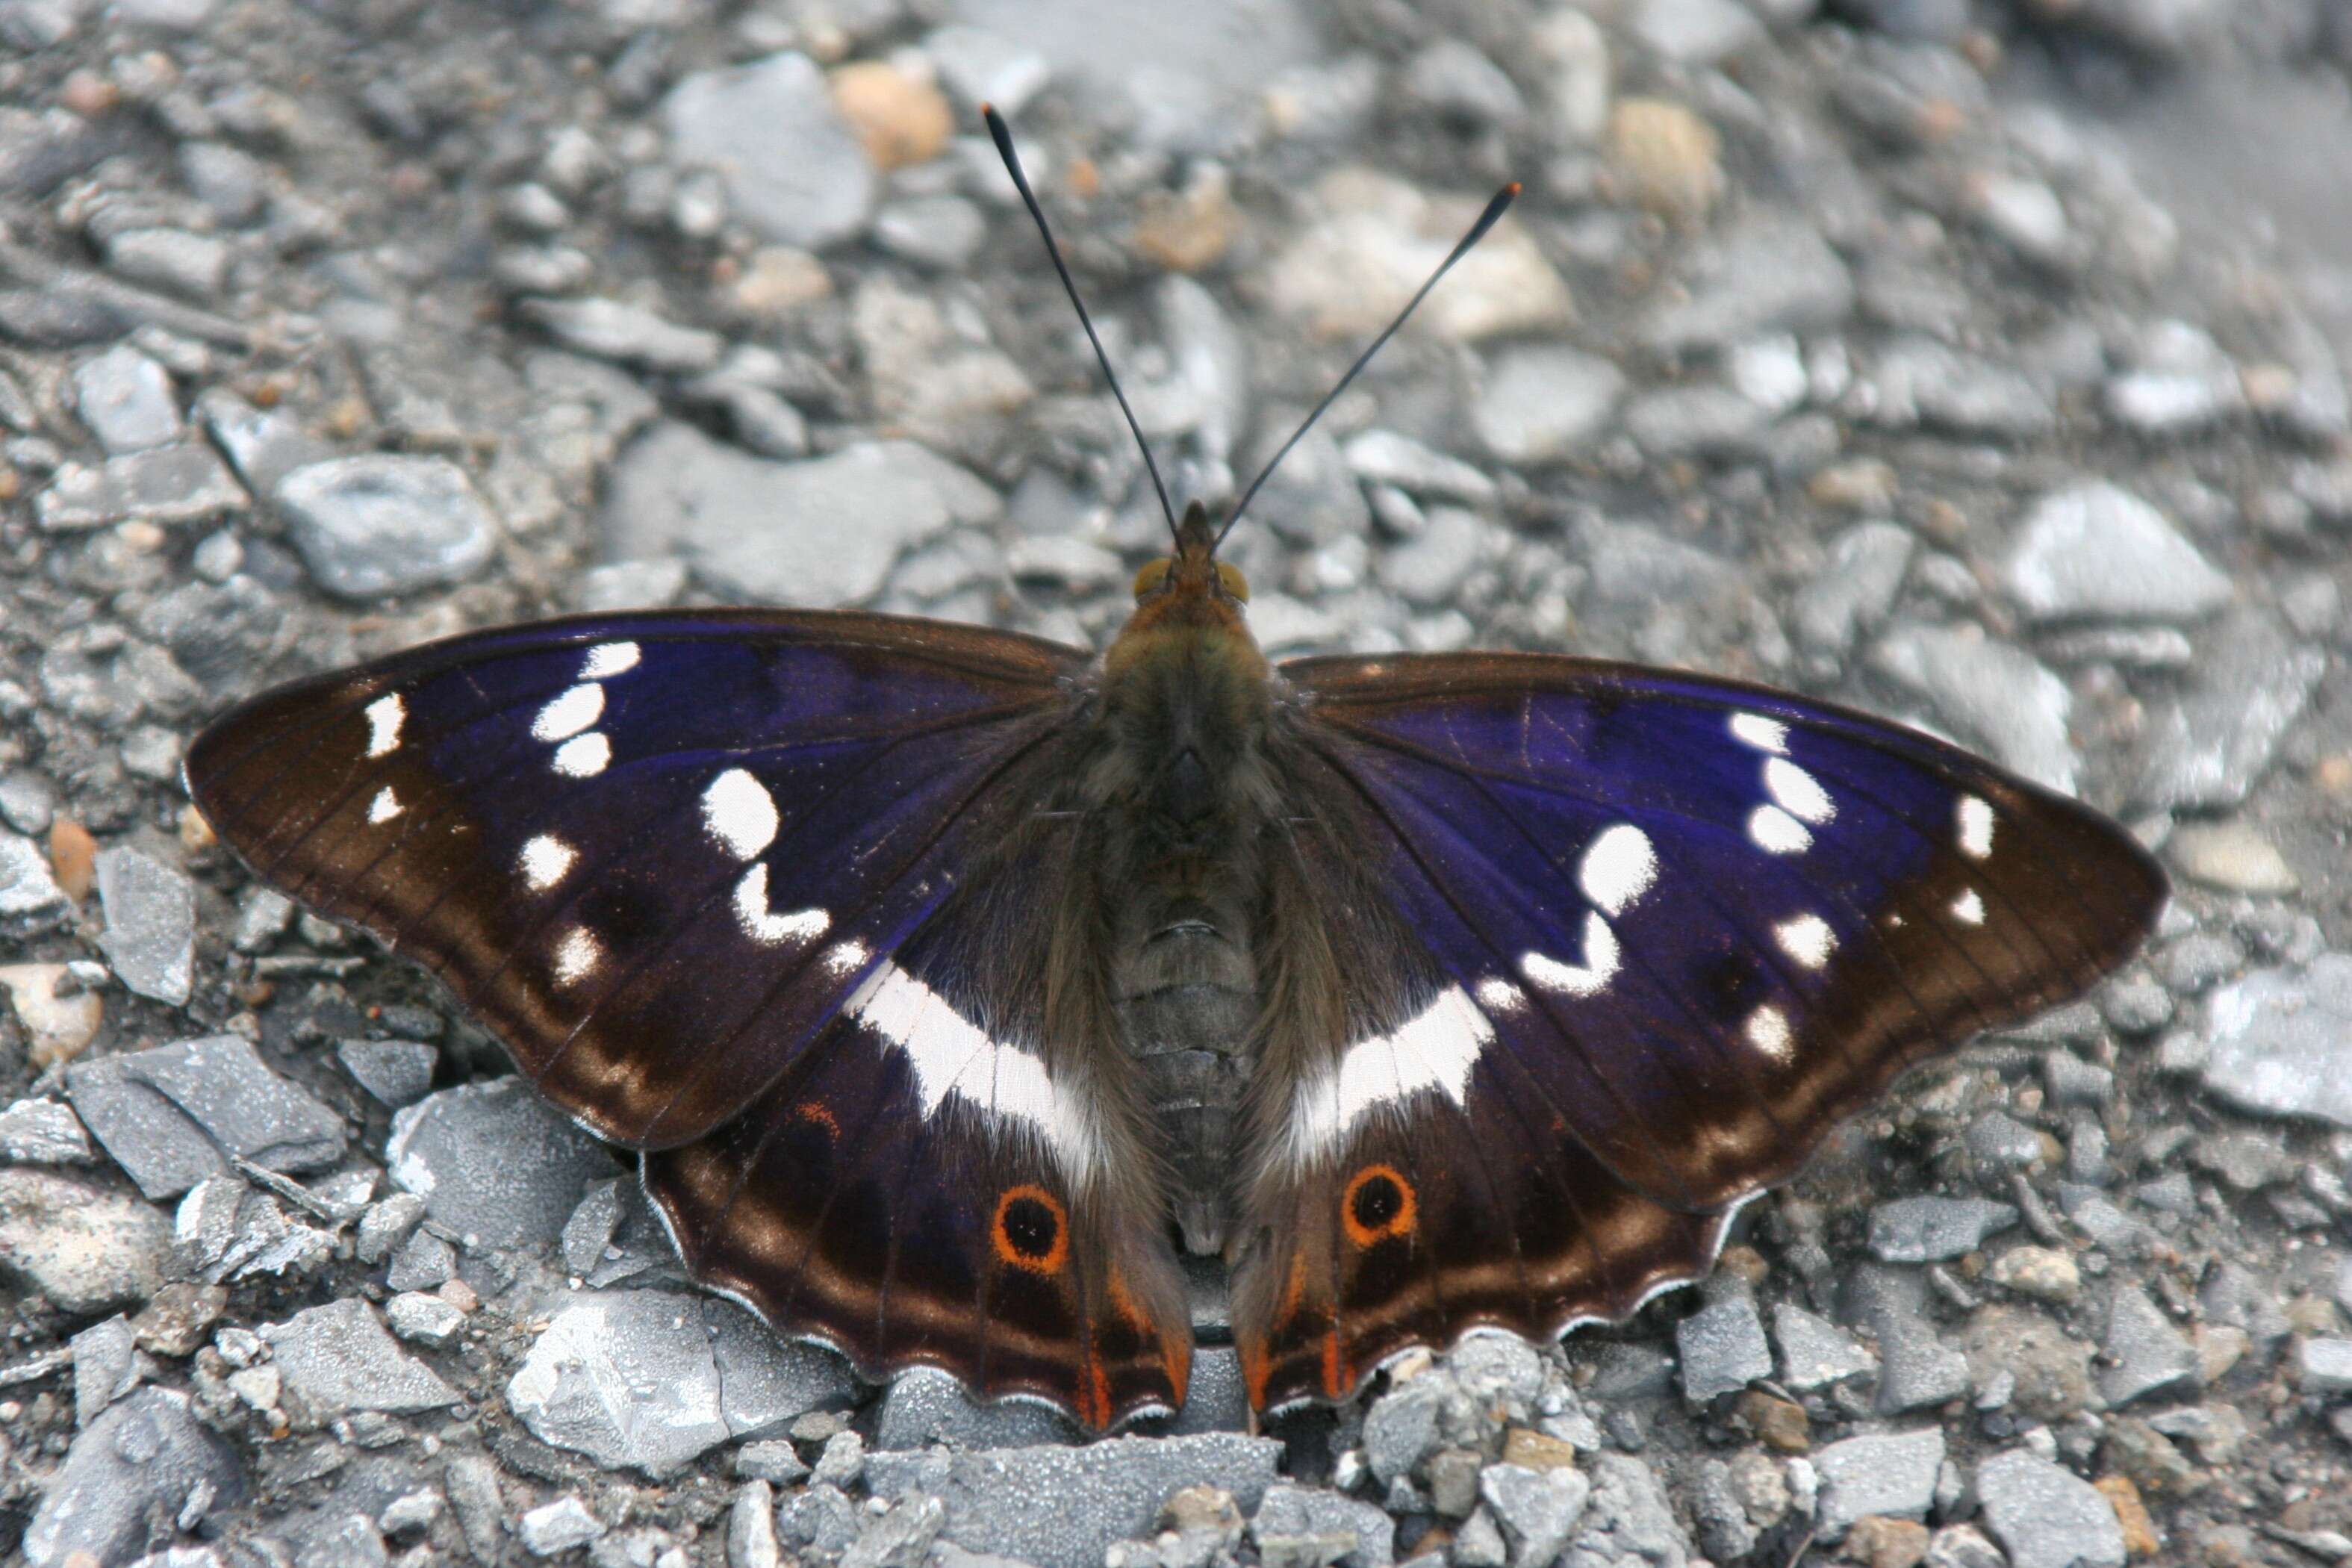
(1397, 1224)
(1000, 1240)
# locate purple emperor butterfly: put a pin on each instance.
(949, 982)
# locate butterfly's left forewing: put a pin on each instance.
(717, 880)
(1660, 934)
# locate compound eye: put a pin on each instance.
(1153, 577)
(1230, 578)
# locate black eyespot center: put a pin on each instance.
(1031, 1228)
(1378, 1201)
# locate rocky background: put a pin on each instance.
(1977, 361)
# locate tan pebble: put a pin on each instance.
(1191, 229)
(2046, 1273)
(2220, 1347)
(778, 280)
(89, 94)
(2139, 1531)
(902, 118)
(1538, 1450)
(73, 857)
(1669, 160)
(1882, 1541)
(1780, 1423)
(1865, 484)
(2231, 856)
(196, 834)
(1745, 1263)
(58, 1026)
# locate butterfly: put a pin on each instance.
(950, 983)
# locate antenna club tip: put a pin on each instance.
(1513, 190)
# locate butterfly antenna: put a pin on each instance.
(1003, 139)
(1495, 208)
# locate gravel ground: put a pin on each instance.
(1977, 363)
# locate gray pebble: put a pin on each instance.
(264, 446)
(1854, 589)
(1450, 77)
(423, 1320)
(30, 899)
(1892, 1474)
(2047, 1517)
(1288, 1509)
(1537, 1510)
(924, 1406)
(2180, 383)
(145, 1466)
(1999, 1143)
(629, 334)
(648, 1380)
(1545, 403)
(338, 1358)
(555, 1528)
(1697, 33)
(982, 66)
(1430, 568)
(493, 1163)
(1771, 272)
(1814, 1351)
(2207, 747)
(1934, 1230)
(422, 1262)
(1723, 1349)
(386, 523)
(43, 1133)
(2098, 550)
(176, 484)
(106, 1366)
(674, 490)
(387, 1224)
(194, 266)
(1917, 1369)
(1059, 1506)
(396, 1072)
(2278, 1042)
(127, 400)
(1922, 382)
(1695, 422)
(1385, 458)
(939, 232)
(1998, 695)
(2324, 1366)
(773, 1460)
(2148, 1354)
(590, 1229)
(171, 1116)
(27, 802)
(795, 172)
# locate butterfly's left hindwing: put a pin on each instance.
(1659, 934)
(710, 877)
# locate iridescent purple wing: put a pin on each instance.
(1669, 929)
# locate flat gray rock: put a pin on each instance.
(150, 924)
(43, 1133)
(494, 1162)
(1933, 1229)
(1723, 1349)
(2278, 1042)
(795, 171)
(1628, 1520)
(1288, 1509)
(2207, 747)
(2045, 1516)
(2098, 550)
(184, 482)
(1771, 272)
(1059, 1508)
(1854, 589)
(1814, 1351)
(1878, 1475)
(2147, 1355)
(1537, 1510)
(87, 1249)
(924, 1406)
(338, 1358)
(1546, 403)
(396, 1072)
(386, 523)
(647, 1380)
(1998, 695)
(676, 491)
(126, 399)
(616, 330)
(30, 899)
(173, 1116)
(144, 1464)
(1923, 383)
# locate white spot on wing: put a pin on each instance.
(1619, 865)
(1768, 1031)
(1976, 827)
(950, 1055)
(584, 756)
(1777, 832)
(1797, 792)
(1599, 963)
(1496, 995)
(740, 813)
(546, 860)
(1807, 939)
(845, 957)
(1433, 1050)
(1756, 731)
(385, 715)
(385, 807)
(577, 955)
(1968, 908)
(569, 713)
(763, 924)
(606, 660)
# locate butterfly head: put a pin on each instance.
(1189, 606)
(1194, 568)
